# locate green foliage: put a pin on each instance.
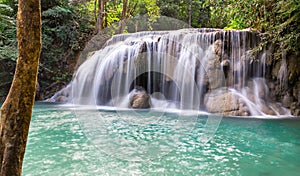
(67, 25)
(200, 11)
(8, 45)
(286, 30)
(113, 13)
(7, 33)
(6, 20)
(65, 29)
(12, 5)
(234, 24)
(169, 8)
(279, 20)
(152, 10)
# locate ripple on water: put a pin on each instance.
(59, 144)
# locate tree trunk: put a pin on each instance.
(123, 18)
(95, 11)
(190, 13)
(124, 10)
(101, 4)
(17, 109)
(105, 23)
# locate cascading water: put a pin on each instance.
(195, 69)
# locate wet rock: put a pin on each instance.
(169, 68)
(222, 101)
(218, 46)
(38, 87)
(143, 47)
(62, 96)
(225, 64)
(293, 68)
(62, 99)
(250, 94)
(296, 92)
(139, 98)
(296, 112)
(225, 102)
(202, 80)
(37, 91)
(295, 108)
(266, 109)
(245, 113)
(286, 100)
(214, 72)
(245, 109)
(260, 87)
(280, 109)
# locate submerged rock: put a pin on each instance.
(139, 98)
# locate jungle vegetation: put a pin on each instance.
(68, 24)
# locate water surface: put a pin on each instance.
(60, 144)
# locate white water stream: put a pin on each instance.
(182, 67)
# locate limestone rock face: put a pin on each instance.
(222, 101)
(286, 101)
(284, 83)
(139, 98)
(213, 69)
(295, 109)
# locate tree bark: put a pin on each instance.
(101, 4)
(123, 18)
(124, 10)
(190, 13)
(95, 12)
(17, 109)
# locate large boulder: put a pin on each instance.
(222, 101)
(139, 98)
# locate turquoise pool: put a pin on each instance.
(64, 141)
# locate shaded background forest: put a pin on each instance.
(69, 24)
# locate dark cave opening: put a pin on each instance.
(156, 82)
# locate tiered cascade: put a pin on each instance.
(195, 69)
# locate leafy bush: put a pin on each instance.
(8, 47)
(66, 28)
(279, 20)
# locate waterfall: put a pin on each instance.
(282, 73)
(195, 69)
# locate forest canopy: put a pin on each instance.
(69, 24)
